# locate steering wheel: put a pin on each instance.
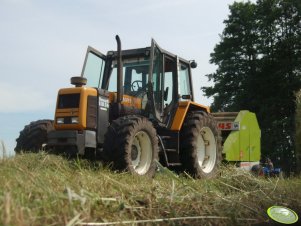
(136, 85)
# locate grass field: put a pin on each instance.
(41, 189)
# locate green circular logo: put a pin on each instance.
(282, 214)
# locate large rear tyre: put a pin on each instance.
(34, 136)
(200, 145)
(131, 144)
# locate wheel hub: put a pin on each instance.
(141, 153)
(134, 153)
(206, 152)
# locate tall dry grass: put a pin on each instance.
(3, 152)
(41, 189)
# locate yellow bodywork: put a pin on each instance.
(182, 111)
(128, 101)
(80, 112)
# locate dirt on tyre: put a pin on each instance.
(131, 144)
(33, 137)
(200, 145)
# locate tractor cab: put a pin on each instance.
(152, 83)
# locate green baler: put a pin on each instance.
(240, 137)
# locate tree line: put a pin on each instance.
(258, 62)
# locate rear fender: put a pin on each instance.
(183, 108)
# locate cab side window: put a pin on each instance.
(169, 80)
(184, 80)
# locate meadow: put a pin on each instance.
(43, 189)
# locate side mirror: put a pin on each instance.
(166, 93)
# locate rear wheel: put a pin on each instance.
(200, 145)
(34, 136)
(131, 144)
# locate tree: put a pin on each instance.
(298, 131)
(259, 68)
(235, 58)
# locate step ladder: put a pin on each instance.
(169, 142)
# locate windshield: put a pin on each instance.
(135, 77)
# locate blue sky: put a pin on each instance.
(43, 43)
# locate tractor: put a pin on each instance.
(132, 108)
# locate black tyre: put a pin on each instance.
(131, 144)
(34, 136)
(200, 145)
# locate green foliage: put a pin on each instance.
(259, 69)
(298, 131)
(41, 189)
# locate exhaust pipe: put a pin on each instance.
(119, 71)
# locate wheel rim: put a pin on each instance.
(141, 153)
(206, 150)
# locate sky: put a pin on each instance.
(43, 44)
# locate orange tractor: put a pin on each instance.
(132, 108)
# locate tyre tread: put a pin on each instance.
(33, 136)
(118, 140)
(188, 154)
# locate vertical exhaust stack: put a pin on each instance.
(119, 71)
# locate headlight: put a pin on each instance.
(60, 120)
(74, 120)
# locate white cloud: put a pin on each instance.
(22, 99)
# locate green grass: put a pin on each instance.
(41, 189)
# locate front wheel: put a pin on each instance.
(131, 144)
(200, 145)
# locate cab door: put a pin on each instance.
(94, 67)
(97, 106)
(163, 84)
(156, 82)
